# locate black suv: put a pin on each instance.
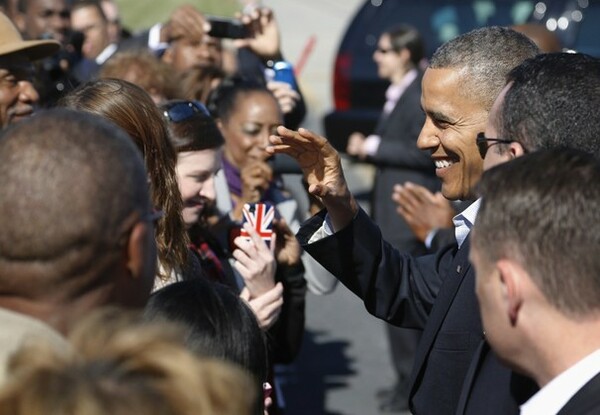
(358, 92)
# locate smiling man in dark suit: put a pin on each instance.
(535, 251)
(433, 293)
(392, 149)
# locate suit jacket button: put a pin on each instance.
(458, 269)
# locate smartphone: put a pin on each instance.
(282, 71)
(260, 217)
(221, 27)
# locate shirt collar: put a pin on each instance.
(395, 91)
(552, 397)
(463, 222)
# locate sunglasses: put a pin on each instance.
(184, 110)
(483, 143)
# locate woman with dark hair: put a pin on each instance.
(132, 109)
(217, 324)
(246, 113)
(274, 290)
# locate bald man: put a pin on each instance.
(76, 230)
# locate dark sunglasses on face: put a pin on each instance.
(184, 110)
(483, 143)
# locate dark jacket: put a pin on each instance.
(399, 160)
(435, 293)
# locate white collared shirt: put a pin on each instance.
(552, 397)
(463, 222)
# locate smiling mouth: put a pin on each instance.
(443, 163)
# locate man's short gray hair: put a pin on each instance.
(484, 57)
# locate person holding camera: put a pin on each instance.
(51, 19)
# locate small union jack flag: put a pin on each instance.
(260, 217)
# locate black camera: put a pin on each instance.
(227, 28)
(54, 72)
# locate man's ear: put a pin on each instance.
(516, 150)
(511, 278)
(140, 261)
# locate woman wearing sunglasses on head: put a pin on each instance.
(273, 288)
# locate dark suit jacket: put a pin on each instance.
(435, 293)
(586, 401)
(398, 160)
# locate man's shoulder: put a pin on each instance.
(17, 329)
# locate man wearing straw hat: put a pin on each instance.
(18, 96)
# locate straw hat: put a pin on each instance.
(11, 41)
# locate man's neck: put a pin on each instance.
(59, 314)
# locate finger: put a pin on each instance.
(245, 294)
(244, 272)
(258, 242)
(273, 242)
(408, 198)
(245, 247)
(272, 311)
(396, 190)
(423, 194)
(273, 295)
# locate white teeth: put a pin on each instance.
(440, 164)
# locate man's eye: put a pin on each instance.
(440, 123)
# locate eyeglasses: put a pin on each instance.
(483, 146)
(184, 110)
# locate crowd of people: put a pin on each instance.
(133, 281)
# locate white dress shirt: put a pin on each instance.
(552, 397)
(464, 221)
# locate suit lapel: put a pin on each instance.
(455, 274)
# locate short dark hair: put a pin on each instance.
(543, 210)
(553, 100)
(407, 37)
(484, 56)
(64, 201)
